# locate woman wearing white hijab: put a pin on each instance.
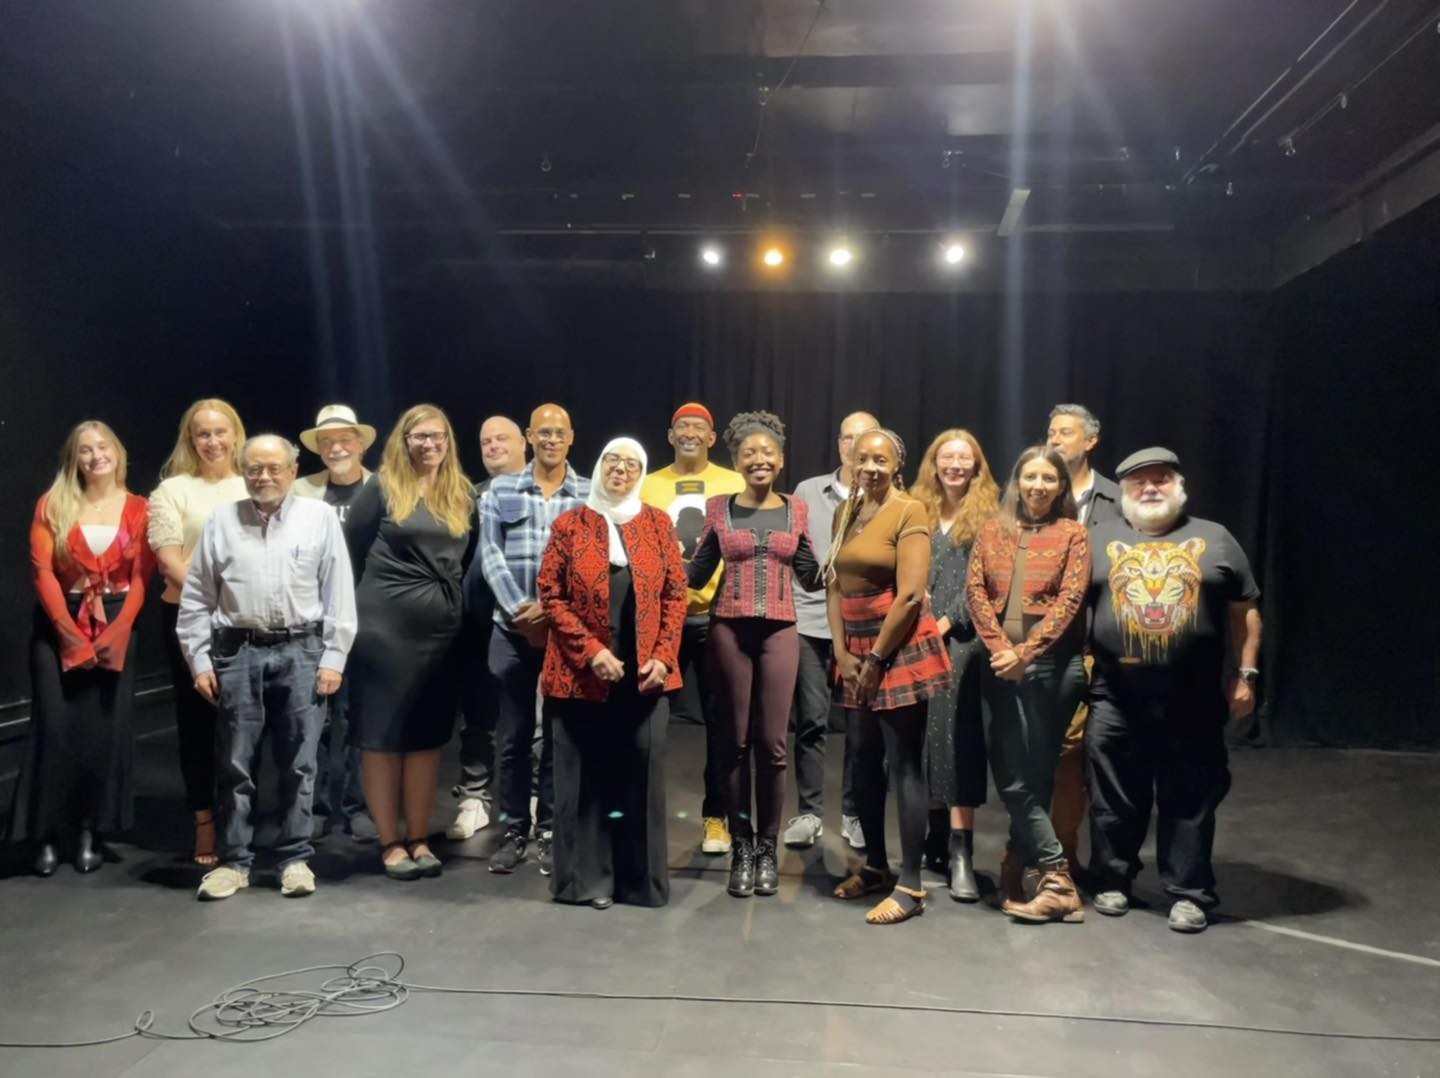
(613, 586)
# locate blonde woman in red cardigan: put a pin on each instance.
(90, 562)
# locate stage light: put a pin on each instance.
(711, 255)
(773, 257)
(840, 256)
(954, 254)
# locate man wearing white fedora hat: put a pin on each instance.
(340, 440)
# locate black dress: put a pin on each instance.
(403, 668)
(610, 838)
(954, 732)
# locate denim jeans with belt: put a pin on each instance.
(267, 688)
(1025, 723)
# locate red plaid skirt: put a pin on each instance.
(920, 669)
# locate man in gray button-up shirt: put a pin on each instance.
(822, 495)
(267, 616)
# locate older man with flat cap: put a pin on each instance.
(1166, 591)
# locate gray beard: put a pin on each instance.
(341, 469)
(1153, 518)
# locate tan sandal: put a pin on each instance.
(205, 855)
(865, 881)
(892, 911)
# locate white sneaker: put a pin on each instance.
(1185, 916)
(222, 882)
(850, 829)
(803, 830)
(296, 880)
(471, 818)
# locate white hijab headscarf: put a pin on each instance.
(617, 511)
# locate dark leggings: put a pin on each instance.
(755, 660)
(896, 738)
(194, 722)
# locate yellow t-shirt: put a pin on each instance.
(683, 497)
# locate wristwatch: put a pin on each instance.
(1249, 674)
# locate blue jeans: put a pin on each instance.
(267, 689)
(1025, 723)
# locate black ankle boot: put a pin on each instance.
(46, 859)
(87, 852)
(767, 868)
(742, 867)
(963, 885)
(936, 838)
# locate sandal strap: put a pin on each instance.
(918, 896)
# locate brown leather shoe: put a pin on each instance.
(1012, 881)
(1055, 900)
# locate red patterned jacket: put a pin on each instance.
(757, 580)
(574, 588)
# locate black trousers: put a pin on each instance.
(610, 799)
(479, 703)
(194, 721)
(1166, 754)
(516, 668)
(696, 701)
(888, 746)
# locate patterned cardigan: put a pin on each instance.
(1057, 577)
(574, 588)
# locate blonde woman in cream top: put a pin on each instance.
(202, 474)
(179, 509)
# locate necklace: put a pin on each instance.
(860, 522)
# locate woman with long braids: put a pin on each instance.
(1028, 575)
(754, 646)
(890, 660)
(959, 493)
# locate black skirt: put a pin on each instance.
(77, 766)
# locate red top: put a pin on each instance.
(1057, 576)
(574, 588)
(125, 566)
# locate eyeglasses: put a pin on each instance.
(551, 434)
(421, 437)
(610, 460)
(274, 471)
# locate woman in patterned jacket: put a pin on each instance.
(613, 586)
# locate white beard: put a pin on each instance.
(1155, 516)
(340, 468)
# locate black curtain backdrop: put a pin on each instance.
(1302, 418)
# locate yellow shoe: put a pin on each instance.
(717, 836)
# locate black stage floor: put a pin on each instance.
(1323, 858)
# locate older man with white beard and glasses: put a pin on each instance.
(340, 440)
(1165, 591)
(267, 617)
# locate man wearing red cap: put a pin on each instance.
(681, 490)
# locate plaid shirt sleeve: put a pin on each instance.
(493, 564)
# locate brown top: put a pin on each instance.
(866, 562)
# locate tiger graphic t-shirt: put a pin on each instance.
(1158, 604)
(683, 497)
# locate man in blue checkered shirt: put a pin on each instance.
(515, 518)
